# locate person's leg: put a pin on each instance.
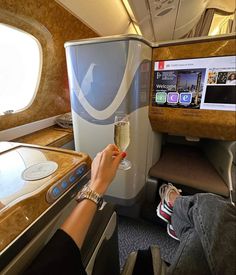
(205, 225)
(215, 222)
(189, 257)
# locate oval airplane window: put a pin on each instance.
(20, 69)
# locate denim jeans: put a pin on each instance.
(206, 227)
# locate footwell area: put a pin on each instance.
(139, 234)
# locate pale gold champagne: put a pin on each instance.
(122, 134)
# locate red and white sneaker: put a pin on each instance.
(171, 231)
(164, 213)
(165, 208)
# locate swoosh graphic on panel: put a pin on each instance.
(97, 70)
(137, 96)
(136, 54)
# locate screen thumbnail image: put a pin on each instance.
(191, 81)
(231, 78)
(222, 77)
(212, 77)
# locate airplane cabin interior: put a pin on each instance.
(68, 69)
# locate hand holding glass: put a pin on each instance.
(122, 137)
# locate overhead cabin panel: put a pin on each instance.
(189, 14)
(143, 17)
(105, 16)
(164, 15)
(226, 5)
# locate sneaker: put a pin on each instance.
(171, 231)
(163, 214)
(165, 208)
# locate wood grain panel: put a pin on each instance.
(52, 25)
(15, 218)
(52, 136)
(219, 47)
(195, 123)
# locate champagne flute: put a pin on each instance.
(122, 137)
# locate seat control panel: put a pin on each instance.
(66, 182)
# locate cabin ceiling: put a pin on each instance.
(157, 20)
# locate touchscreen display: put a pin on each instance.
(200, 83)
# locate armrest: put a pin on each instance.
(100, 254)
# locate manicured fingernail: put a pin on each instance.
(124, 154)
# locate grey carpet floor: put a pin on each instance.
(134, 235)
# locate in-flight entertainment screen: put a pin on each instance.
(200, 83)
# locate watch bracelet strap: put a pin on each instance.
(89, 194)
(88, 197)
(94, 193)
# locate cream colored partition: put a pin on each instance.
(109, 76)
(222, 155)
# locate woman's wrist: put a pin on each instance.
(98, 186)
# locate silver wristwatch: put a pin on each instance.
(87, 193)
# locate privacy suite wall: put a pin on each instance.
(214, 124)
(52, 26)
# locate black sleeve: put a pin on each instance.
(61, 255)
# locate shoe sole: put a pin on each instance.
(169, 231)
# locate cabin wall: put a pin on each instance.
(52, 25)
